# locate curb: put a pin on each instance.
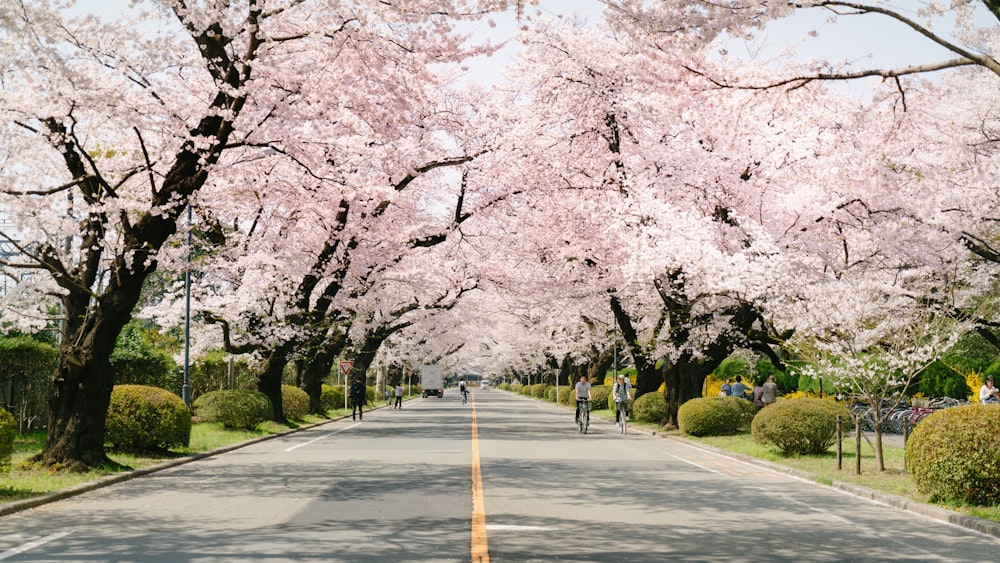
(27, 504)
(902, 504)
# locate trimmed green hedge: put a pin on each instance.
(651, 407)
(800, 426)
(715, 416)
(8, 431)
(566, 395)
(234, 408)
(332, 397)
(295, 402)
(954, 455)
(599, 396)
(142, 418)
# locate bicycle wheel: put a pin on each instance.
(624, 420)
(586, 421)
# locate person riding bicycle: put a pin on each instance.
(463, 390)
(581, 393)
(620, 392)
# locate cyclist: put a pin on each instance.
(463, 390)
(581, 392)
(621, 395)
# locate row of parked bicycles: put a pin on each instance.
(901, 419)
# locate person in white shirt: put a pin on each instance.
(988, 393)
(621, 395)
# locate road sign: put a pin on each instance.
(345, 368)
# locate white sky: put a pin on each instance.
(869, 41)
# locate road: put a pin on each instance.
(503, 478)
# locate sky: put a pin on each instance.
(861, 41)
(864, 41)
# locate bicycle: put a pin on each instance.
(465, 396)
(622, 407)
(584, 419)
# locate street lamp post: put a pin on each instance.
(186, 389)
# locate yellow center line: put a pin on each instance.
(480, 547)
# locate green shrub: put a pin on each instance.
(139, 358)
(800, 426)
(599, 396)
(332, 397)
(538, 390)
(515, 388)
(651, 407)
(566, 395)
(550, 394)
(8, 431)
(295, 402)
(234, 408)
(25, 368)
(714, 416)
(142, 419)
(526, 390)
(504, 387)
(210, 372)
(954, 455)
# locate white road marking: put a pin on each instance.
(323, 437)
(33, 544)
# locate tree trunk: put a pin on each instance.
(684, 380)
(269, 379)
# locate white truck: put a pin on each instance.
(432, 381)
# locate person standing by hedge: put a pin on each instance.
(357, 399)
(727, 388)
(621, 395)
(739, 389)
(769, 394)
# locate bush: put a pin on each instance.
(550, 394)
(715, 416)
(295, 402)
(566, 395)
(25, 368)
(140, 359)
(515, 388)
(954, 455)
(234, 408)
(143, 419)
(8, 431)
(526, 390)
(599, 396)
(331, 397)
(538, 390)
(651, 407)
(210, 372)
(800, 426)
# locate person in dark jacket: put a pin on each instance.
(357, 399)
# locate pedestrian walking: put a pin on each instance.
(357, 399)
(399, 396)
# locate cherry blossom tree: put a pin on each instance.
(115, 128)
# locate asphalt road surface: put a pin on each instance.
(502, 478)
